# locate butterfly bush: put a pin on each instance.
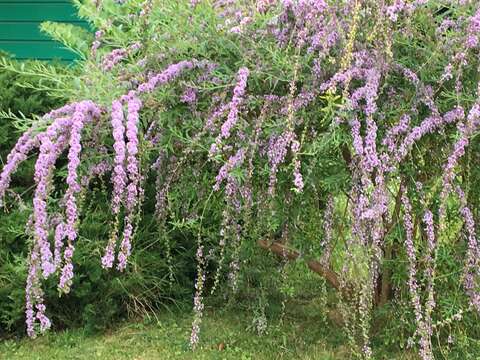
(254, 122)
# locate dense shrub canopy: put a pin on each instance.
(345, 129)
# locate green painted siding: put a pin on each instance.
(20, 33)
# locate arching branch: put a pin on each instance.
(281, 250)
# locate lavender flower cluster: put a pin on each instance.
(235, 103)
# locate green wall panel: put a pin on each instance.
(26, 31)
(42, 50)
(20, 33)
(37, 12)
(35, 1)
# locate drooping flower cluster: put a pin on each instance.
(131, 201)
(427, 126)
(297, 175)
(326, 242)
(189, 96)
(19, 153)
(34, 308)
(311, 24)
(430, 259)
(277, 152)
(466, 131)
(63, 132)
(97, 42)
(472, 266)
(473, 31)
(71, 209)
(234, 105)
(198, 304)
(400, 6)
(170, 73)
(225, 171)
(234, 16)
(119, 176)
(117, 55)
(126, 176)
(113, 58)
(423, 330)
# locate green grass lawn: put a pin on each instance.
(225, 334)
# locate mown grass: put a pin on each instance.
(225, 334)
